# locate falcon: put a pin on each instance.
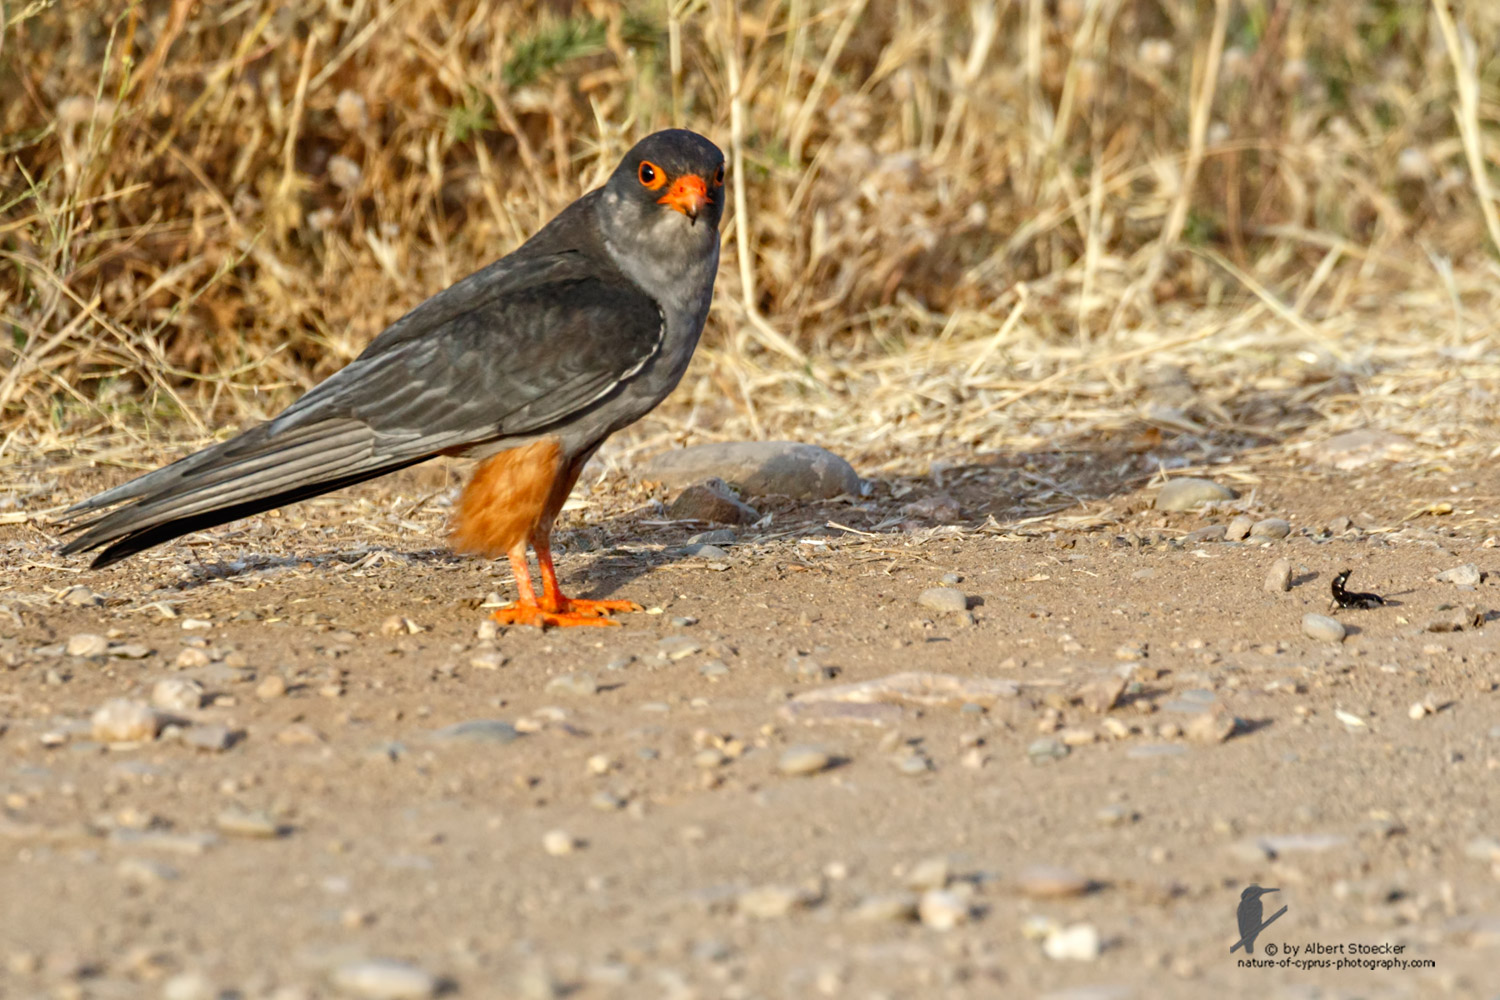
(526, 365)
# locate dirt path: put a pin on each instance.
(633, 831)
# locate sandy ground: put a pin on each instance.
(638, 834)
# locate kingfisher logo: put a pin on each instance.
(1248, 917)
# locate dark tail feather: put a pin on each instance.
(257, 471)
(143, 538)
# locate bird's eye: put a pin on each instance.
(719, 176)
(651, 176)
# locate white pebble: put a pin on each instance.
(1078, 943)
(559, 842)
(177, 694)
(121, 720)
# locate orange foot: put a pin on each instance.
(573, 611)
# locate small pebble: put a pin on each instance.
(487, 660)
(1046, 749)
(1271, 527)
(1238, 528)
(192, 658)
(1340, 525)
(944, 600)
(1211, 533)
(896, 907)
(214, 738)
(559, 842)
(1049, 882)
(81, 597)
(912, 762)
(477, 731)
(929, 873)
(87, 644)
(1278, 577)
(804, 760)
(271, 688)
(942, 910)
(1188, 493)
(384, 979)
(769, 902)
(677, 647)
(121, 720)
(577, 684)
(1078, 943)
(607, 801)
(714, 670)
(255, 823)
(1213, 726)
(1102, 694)
(190, 985)
(1322, 628)
(177, 694)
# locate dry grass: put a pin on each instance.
(959, 227)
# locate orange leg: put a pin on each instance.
(554, 599)
(554, 608)
(513, 498)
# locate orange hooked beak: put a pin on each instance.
(687, 195)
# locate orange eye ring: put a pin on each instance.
(651, 176)
(719, 176)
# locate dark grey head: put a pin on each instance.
(1255, 892)
(665, 199)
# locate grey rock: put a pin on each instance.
(1046, 749)
(477, 731)
(384, 979)
(944, 600)
(1340, 525)
(1211, 533)
(712, 500)
(214, 738)
(1189, 493)
(1271, 528)
(712, 553)
(759, 468)
(1322, 628)
(130, 651)
(1278, 578)
(715, 536)
(1467, 575)
(1145, 750)
(1238, 528)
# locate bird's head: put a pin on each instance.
(667, 196)
(1255, 892)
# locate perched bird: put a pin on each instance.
(527, 365)
(1248, 917)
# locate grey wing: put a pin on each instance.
(476, 363)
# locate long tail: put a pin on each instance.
(263, 468)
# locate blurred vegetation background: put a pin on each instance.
(942, 209)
